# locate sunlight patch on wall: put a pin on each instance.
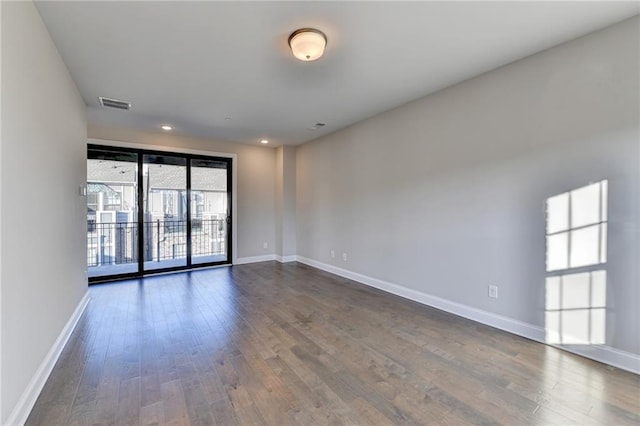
(575, 306)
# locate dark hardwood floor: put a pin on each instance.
(287, 344)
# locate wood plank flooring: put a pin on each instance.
(287, 344)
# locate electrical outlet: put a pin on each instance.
(344, 257)
(333, 254)
(265, 245)
(493, 291)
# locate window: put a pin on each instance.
(576, 234)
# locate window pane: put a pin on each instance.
(598, 326)
(558, 213)
(557, 256)
(599, 289)
(575, 291)
(552, 293)
(585, 248)
(165, 211)
(112, 227)
(585, 205)
(575, 327)
(552, 327)
(209, 211)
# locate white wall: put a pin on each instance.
(289, 237)
(285, 202)
(446, 195)
(43, 163)
(256, 169)
(279, 197)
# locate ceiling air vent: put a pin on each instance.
(114, 103)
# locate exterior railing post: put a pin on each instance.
(158, 239)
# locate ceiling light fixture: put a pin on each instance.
(166, 127)
(264, 141)
(307, 44)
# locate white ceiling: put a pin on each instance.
(191, 64)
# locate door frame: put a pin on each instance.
(141, 150)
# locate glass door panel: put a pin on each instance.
(164, 180)
(209, 211)
(112, 213)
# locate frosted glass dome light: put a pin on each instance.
(307, 44)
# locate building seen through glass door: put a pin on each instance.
(209, 211)
(112, 222)
(164, 181)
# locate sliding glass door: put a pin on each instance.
(210, 215)
(164, 182)
(153, 211)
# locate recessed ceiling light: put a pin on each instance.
(166, 127)
(264, 141)
(317, 126)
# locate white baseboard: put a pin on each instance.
(28, 399)
(607, 355)
(265, 258)
(286, 259)
(254, 259)
(602, 353)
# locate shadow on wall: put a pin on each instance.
(576, 283)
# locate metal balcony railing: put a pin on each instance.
(117, 243)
